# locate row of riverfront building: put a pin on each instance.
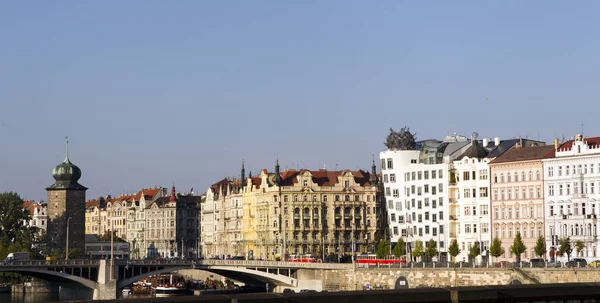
(464, 189)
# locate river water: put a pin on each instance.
(48, 297)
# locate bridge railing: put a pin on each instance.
(275, 264)
(76, 262)
(241, 263)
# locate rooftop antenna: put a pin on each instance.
(582, 127)
(336, 166)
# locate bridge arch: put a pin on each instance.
(276, 278)
(53, 276)
(221, 270)
(125, 282)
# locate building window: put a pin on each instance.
(390, 164)
(483, 174)
(392, 177)
(483, 192)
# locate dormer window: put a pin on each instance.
(346, 183)
(305, 182)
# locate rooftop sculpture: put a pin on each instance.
(401, 140)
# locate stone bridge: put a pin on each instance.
(106, 278)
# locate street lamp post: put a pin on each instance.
(67, 248)
(134, 252)
(440, 248)
(112, 250)
(352, 242)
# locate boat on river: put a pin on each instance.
(170, 288)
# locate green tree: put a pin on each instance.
(418, 249)
(12, 217)
(106, 237)
(382, 249)
(579, 246)
(399, 249)
(540, 247)
(496, 249)
(453, 249)
(518, 247)
(564, 247)
(431, 250)
(474, 251)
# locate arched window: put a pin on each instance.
(537, 175)
(516, 177)
(347, 198)
(337, 198)
(501, 178)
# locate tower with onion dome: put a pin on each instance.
(66, 208)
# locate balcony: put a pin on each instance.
(347, 216)
(296, 216)
(357, 216)
(453, 217)
(338, 216)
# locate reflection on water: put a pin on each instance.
(28, 298)
(49, 297)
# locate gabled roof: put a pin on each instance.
(91, 204)
(149, 193)
(517, 154)
(591, 142)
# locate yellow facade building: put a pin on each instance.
(309, 212)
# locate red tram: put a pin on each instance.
(308, 258)
(372, 259)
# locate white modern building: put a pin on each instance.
(571, 191)
(416, 190)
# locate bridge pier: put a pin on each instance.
(106, 291)
(106, 288)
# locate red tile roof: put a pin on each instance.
(517, 154)
(29, 206)
(148, 193)
(592, 142)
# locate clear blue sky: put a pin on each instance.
(155, 92)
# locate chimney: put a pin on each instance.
(556, 143)
(497, 141)
(485, 142)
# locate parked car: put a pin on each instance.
(594, 264)
(577, 262)
(537, 262)
(288, 290)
